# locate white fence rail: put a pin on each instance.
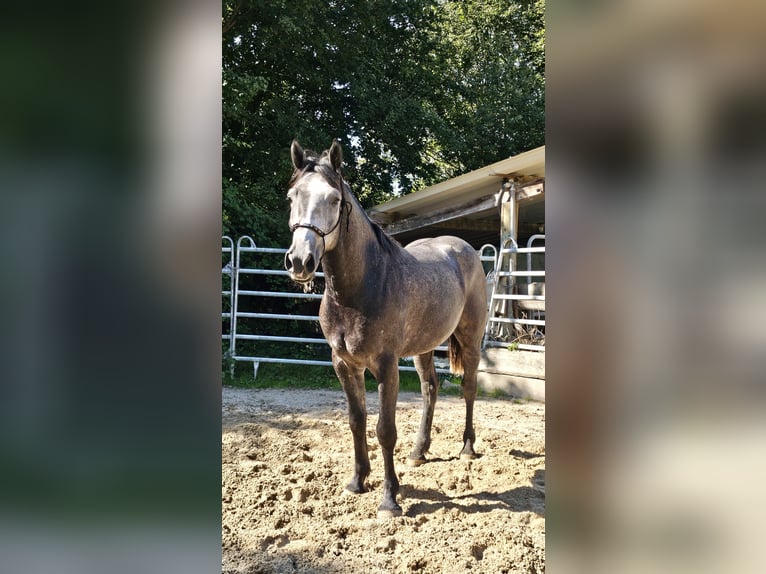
(242, 261)
(227, 251)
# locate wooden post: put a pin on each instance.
(509, 212)
(509, 223)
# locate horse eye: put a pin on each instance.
(335, 201)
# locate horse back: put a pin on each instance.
(447, 250)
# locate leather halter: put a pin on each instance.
(320, 232)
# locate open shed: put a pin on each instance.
(469, 205)
(503, 205)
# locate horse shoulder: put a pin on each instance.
(345, 327)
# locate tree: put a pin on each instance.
(493, 100)
(416, 91)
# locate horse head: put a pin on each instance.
(317, 203)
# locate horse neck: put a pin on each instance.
(346, 266)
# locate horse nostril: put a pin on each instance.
(309, 263)
(288, 262)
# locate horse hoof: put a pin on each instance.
(415, 462)
(468, 456)
(388, 513)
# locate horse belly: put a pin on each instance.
(430, 324)
(446, 279)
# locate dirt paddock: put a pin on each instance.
(288, 453)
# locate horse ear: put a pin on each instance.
(336, 155)
(296, 154)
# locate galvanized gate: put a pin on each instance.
(248, 260)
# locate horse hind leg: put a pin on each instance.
(469, 384)
(468, 356)
(429, 387)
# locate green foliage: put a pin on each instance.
(494, 64)
(416, 91)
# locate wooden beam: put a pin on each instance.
(417, 221)
(520, 180)
(382, 218)
(484, 224)
(530, 191)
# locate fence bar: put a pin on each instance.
(282, 339)
(523, 346)
(529, 251)
(313, 363)
(286, 361)
(539, 322)
(254, 271)
(492, 257)
(228, 269)
(280, 294)
(414, 370)
(278, 316)
(254, 249)
(516, 297)
(522, 250)
(521, 273)
(526, 347)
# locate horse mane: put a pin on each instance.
(387, 243)
(320, 164)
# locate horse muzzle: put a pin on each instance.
(301, 261)
(300, 271)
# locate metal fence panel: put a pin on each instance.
(235, 270)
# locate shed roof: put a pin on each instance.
(463, 205)
(463, 188)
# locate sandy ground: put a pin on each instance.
(288, 453)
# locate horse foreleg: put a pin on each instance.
(352, 381)
(429, 388)
(387, 374)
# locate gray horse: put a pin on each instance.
(382, 302)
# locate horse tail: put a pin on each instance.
(455, 356)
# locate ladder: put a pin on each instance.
(503, 328)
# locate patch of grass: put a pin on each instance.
(284, 376)
(502, 396)
(408, 382)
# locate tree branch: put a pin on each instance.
(228, 24)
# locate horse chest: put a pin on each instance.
(349, 332)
